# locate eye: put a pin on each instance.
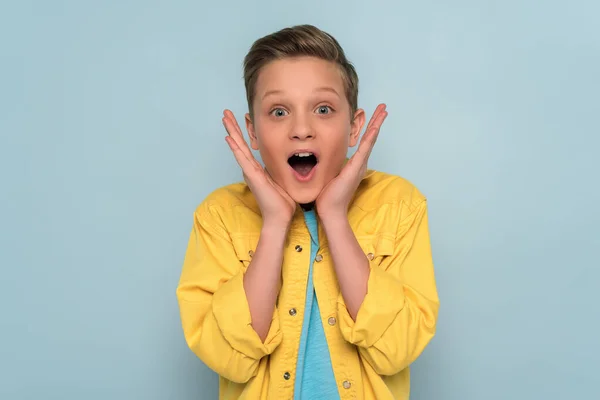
(278, 112)
(324, 110)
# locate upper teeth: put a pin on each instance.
(303, 154)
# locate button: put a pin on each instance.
(319, 258)
(346, 385)
(293, 312)
(298, 248)
(251, 253)
(370, 256)
(286, 376)
(331, 321)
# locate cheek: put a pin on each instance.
(268, 131)
(335, 156)
(267, 152)
(269, 147)
(264, 135)
(337, 135)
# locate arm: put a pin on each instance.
(263, 277)
(215, 312)
(349, 261)
(396, 319)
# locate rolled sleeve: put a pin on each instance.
(232, 313)
(214, 310)
(382, 304)
(397, 318)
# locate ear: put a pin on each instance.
(356, 126)
(251, 132)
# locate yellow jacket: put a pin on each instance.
(370, 356)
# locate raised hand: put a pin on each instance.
(334, 199)
(276, 206)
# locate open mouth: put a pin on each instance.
(303, 163)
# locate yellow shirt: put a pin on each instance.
(370, 356)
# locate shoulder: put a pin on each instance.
(225, 202)
(380, 188)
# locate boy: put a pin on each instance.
(314, 278)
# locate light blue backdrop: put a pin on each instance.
(111, 135)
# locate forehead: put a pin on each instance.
(299, 75)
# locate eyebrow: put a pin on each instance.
(319, 89)
(271, 92)
(327, 89)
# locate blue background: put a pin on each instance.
(111, 135)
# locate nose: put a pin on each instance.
(301, 128)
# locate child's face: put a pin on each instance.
(300, 107)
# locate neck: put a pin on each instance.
(307, 206)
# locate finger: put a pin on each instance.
(361, 157)
(374, 135)
(251, 169)
(245, 164)
(281, 191)
(371, 135)
(376, 113)
(233, 129)
(369, 138)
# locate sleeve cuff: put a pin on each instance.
(232, 313)
(384, 300)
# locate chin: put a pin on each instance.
(305, 196)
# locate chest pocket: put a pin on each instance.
(377, 248)
(245, 246)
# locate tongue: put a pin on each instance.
(303, 168)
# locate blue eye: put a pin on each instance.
(278, 112)
(324, 110)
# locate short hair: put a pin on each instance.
(298, 41)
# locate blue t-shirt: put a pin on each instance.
(314, 373)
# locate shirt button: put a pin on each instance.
(251, 253)
(331, 321)
(286, 376)
(298, 248)
(293, 312)
(346, 385)
(319, 258)
(370, 256)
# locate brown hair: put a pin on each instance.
(296, 41)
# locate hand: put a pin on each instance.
(335, 197)
(276, 206)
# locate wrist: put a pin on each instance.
(333, 212)
(275, 228)
(334, 220)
